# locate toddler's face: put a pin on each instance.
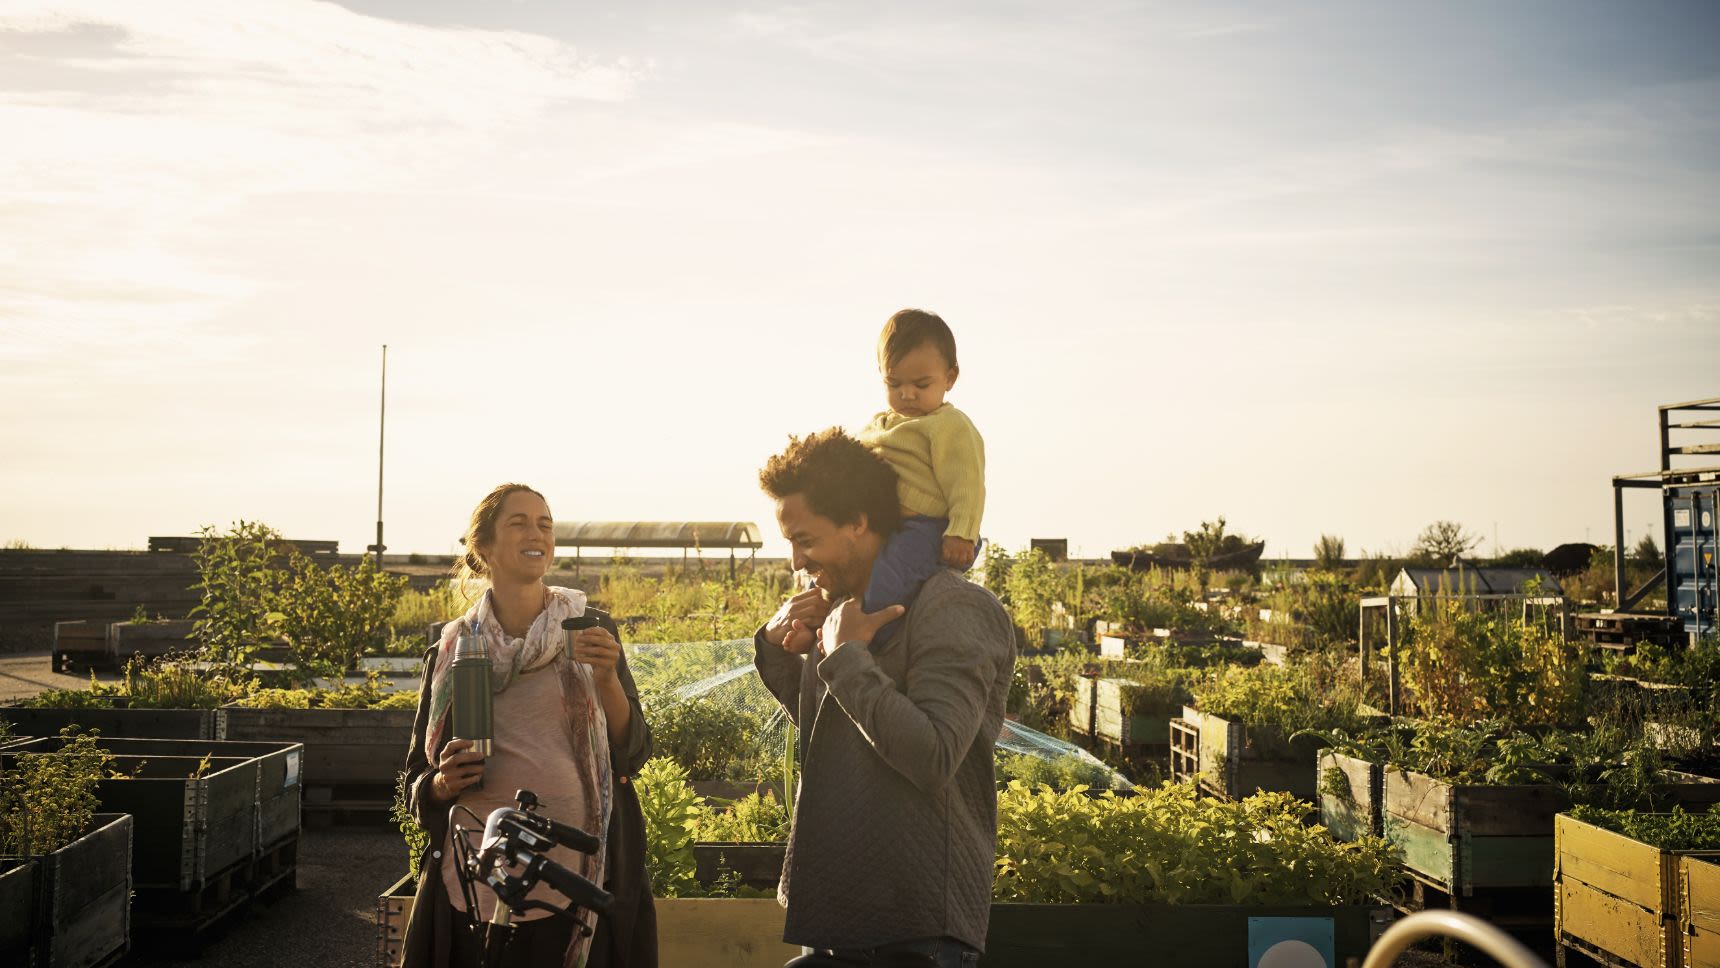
(916, 385)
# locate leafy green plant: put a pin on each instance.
(417, 839)
(332, 615)
(754, 818)
(47, 800)
(1313, 693)
(1463, 663)
(1064, 772)
(672, 814)
(711, 739)
(239, 576)
(1167, 845)
(1676, 830)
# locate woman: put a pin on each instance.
(572, 732)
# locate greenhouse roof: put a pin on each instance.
(1469, 580)
(657, 534)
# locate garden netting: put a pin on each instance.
(709, 710)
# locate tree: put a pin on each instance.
(1329, 552)
(1647, 552)
(1444, 542)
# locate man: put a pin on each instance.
(891, 853)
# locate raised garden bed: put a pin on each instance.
(1460, 837)
(75, 903)
(696, 932)
(114, 721)
(351, 756)
(1171, 935)
(1350, 796)
(758, 864)
(278, 770)
(1117, 719)
(1236, 761)
(1617, 898)
(1699, 909)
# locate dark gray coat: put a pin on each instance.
(895, 828)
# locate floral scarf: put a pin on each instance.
(542, 646)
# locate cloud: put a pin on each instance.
(143, 122)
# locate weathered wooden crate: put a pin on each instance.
(1083, 707)
(721, 932)
(1350, 798)
(150, 639)
(190, 828)
(1615, 898)
(393, 910)
(758, 864)
(1167, 935)
(114, 721)
(351, 756)
(275, 815)
(1140, 726)
(1185, 750)
(17, 906)
(1699, 909)
(82, 908)
(1237, 761)
(1461, 837)
(81, 642)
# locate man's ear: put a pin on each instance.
(861, 523)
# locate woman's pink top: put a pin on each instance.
(532, 751)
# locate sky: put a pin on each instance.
(1321, 268)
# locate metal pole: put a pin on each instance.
(1618, 546)
(1391, 656)
(381, 435)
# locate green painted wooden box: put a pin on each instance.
(1350, 797)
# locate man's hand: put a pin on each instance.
(794, 627)
(597, 648)
(850, 624)
(958, 552)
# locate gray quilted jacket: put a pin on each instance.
(895, 824)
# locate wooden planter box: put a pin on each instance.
(17, 904)
(721, 932)
(1615, 897)
(1082, 707)
(1460, 837)
(1140, 726)
(1232, 764)
(275, 814)
(150, 639)
(351, 756)
(758, 864)
(1699, 909)
(393, 910)
(695, 932)
(116, 721)
(81, 641)
(1357, 811)
(77, 900)
(1173, 936)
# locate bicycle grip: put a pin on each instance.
(577, 889)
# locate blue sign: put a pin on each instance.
(1291, 943)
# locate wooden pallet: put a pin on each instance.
(1185, 750)
(1623, 630)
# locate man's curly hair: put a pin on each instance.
(840, 477)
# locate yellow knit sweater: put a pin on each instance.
(940, 465)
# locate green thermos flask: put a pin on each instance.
(474, 709)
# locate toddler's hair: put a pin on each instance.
(910, 329)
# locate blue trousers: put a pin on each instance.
(912, 555)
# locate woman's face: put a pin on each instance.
(523, 546)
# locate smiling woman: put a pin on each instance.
(567, 725)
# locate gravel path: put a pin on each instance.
(330, 920)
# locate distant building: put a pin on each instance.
(1466, 580)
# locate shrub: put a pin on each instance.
(1166, 845)
(711, 739)
(239, 576)
(1312, 694)
(754, 818)
(1464, 664)
(47, 800)
(672, 814)
(330, 616)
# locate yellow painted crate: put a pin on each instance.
(1699, 909)
(1616, 898)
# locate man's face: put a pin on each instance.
(838, 557)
